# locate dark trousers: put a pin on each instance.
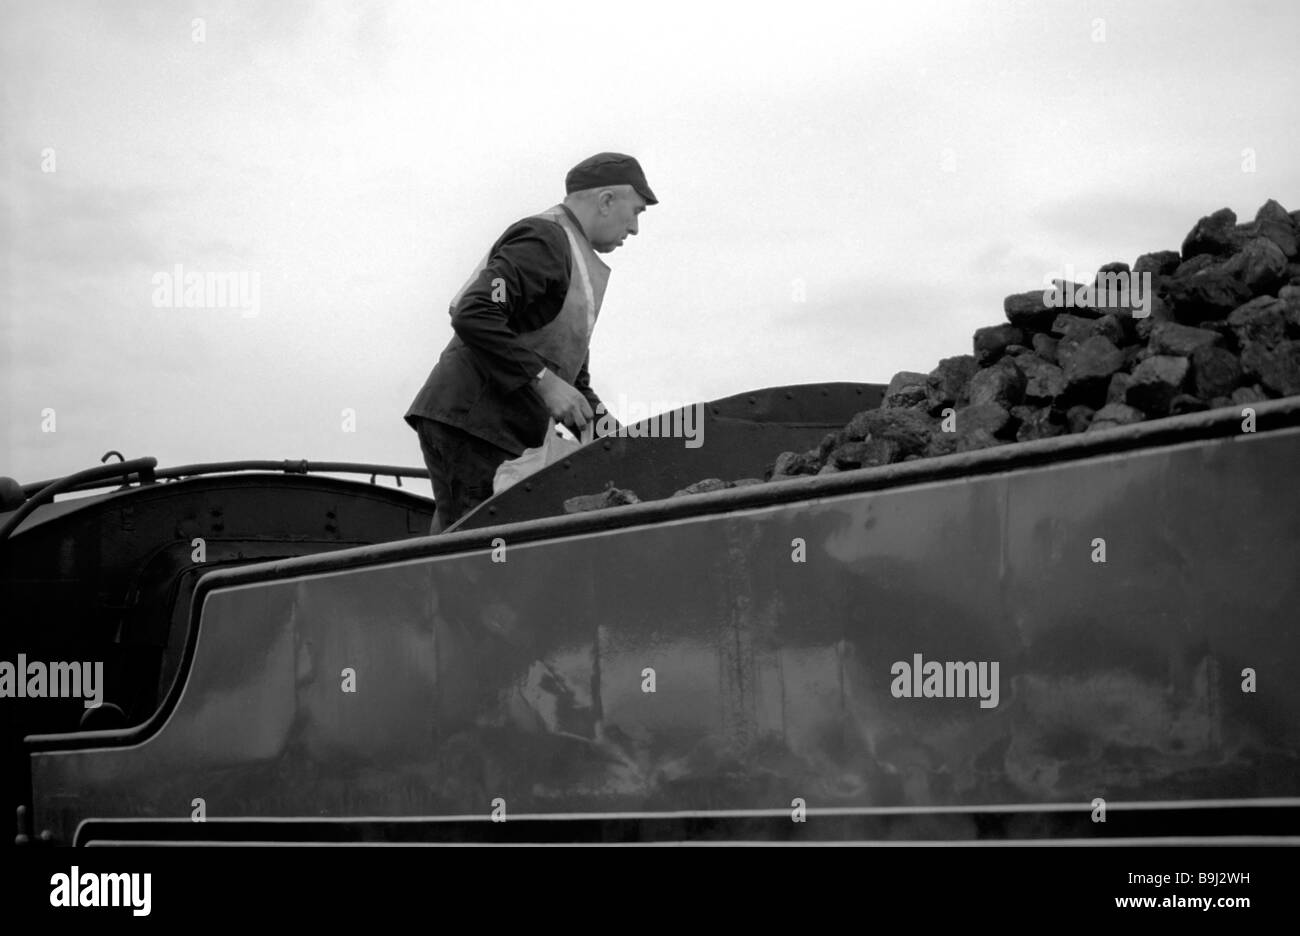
(461, 467)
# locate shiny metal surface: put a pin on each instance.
(523, 680)
(732, 438)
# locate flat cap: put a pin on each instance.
(608, 169)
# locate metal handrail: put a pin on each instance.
(99, 476)
(289, 466)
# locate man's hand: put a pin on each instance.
(566, 405)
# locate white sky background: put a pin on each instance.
(360, 157)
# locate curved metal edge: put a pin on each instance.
(287, 466)
(795, 402)
(1277, 414)
(644, 454)
(141, 467)
(137, 734)
(179, 485)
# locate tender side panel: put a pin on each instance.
(525, 680)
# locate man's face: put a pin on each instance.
(617, 219)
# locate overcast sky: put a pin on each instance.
(906, 165)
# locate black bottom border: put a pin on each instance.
(810, 884)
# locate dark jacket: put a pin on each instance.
(483, 381)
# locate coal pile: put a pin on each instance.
(1219, 327)
(1222, 328)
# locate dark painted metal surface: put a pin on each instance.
(140, 468)
(107, 579)
(523, 679)
(102, 577)
(736, 437)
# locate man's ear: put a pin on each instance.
(606, 200)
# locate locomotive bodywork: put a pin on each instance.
(748, 664)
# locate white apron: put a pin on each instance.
(562, 343)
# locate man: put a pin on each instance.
(523, 323)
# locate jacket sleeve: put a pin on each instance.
(521, 288)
